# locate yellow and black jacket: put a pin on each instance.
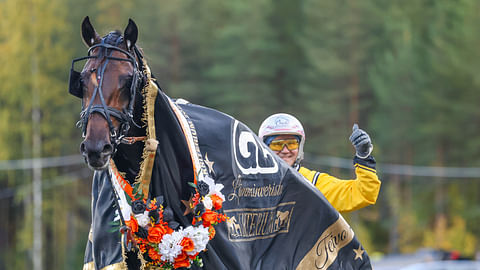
(348, 195)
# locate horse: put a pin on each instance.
(162, 167)
(233, 226)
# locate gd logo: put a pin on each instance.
(247, 151)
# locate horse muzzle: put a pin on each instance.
(96, 153)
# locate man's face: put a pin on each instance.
(288, 155)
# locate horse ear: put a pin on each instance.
(90, 36)
(131, 34)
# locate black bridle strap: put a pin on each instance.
(105, 112)
(125, 117)
(107, 46)
(121, 116)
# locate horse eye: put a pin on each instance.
(83, 84)
(81, 81)
(128, 83)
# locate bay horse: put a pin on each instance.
(113, 106)
(167, 171)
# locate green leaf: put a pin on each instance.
(135, 189)
(114, 223)
(112, 230)
(115, 226)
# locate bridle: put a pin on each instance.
(125, 117)
(76, 88)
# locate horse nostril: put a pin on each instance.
(82, 147)
(107, 149)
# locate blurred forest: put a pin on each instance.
(404, 70)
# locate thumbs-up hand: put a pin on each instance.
(361, 141)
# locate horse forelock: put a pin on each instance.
(112, 37)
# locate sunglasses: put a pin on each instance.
(277, 145)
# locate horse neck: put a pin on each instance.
(173, 165)
(173, 169)
(128, 156)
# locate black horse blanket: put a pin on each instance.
(277, 220)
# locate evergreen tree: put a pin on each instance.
(33, 41)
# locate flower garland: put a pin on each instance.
(163, 243)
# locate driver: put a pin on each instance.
(285, 136)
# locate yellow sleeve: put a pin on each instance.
(347, 195)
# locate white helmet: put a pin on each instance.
(282, 123)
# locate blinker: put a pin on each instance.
(75, 84)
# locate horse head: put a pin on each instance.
(107, 86)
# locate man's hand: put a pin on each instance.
(361, 141)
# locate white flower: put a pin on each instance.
(170, 246)
(214, 188)
(207, 202)
(210, 182)
(199, 236)
(143, 219)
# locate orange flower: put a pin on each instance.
(221, 218)
(142, 248)
(211, 232)
(132, 223)
(153, 254)
(192, 257)
(196, 198)
(152, 205)
(156, 233)
(181, 261)
(209, 217)
(187, 244)
(217, 201)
